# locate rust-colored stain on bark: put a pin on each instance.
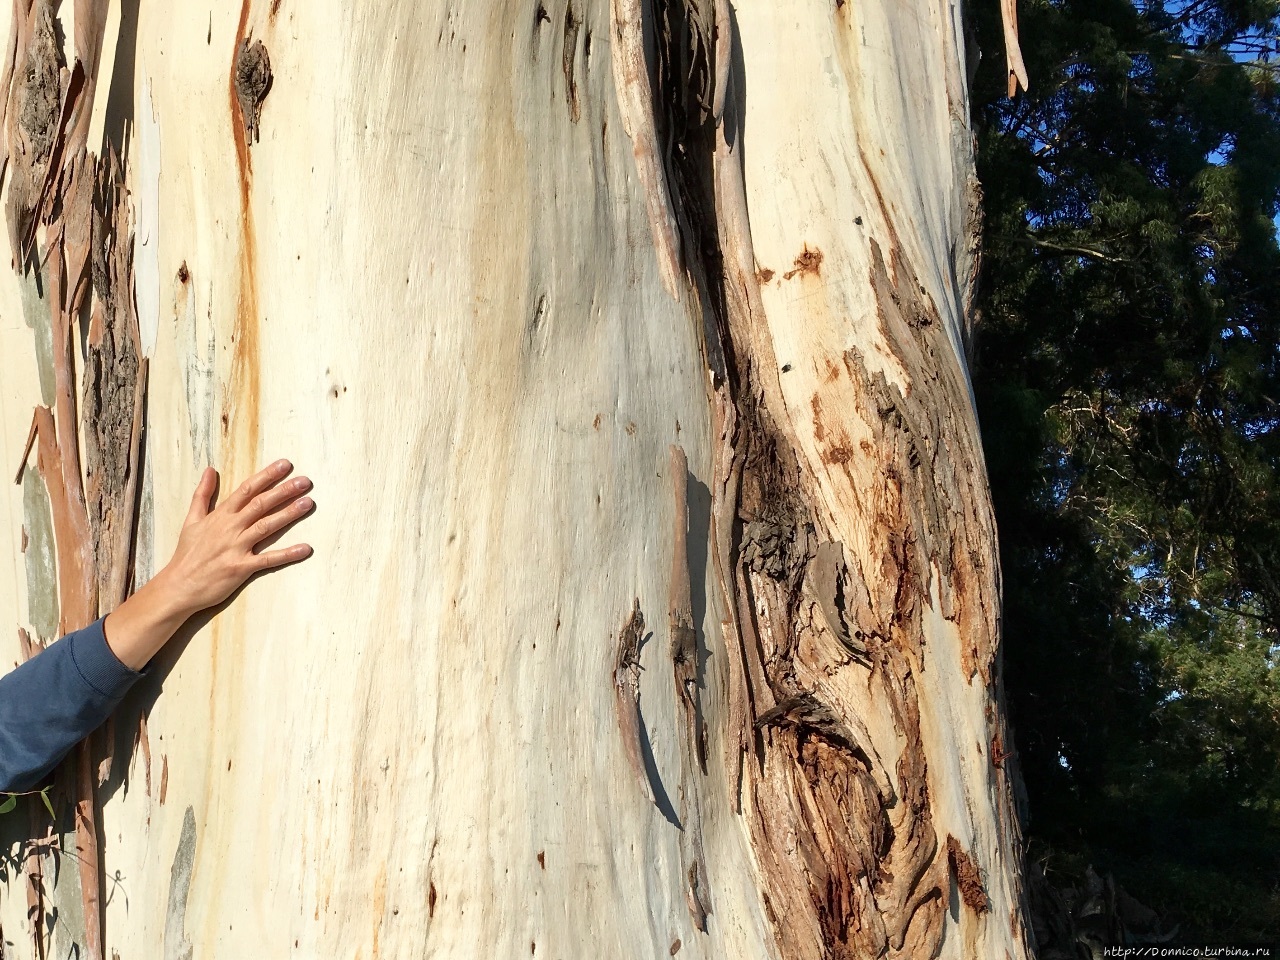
(244, 388)
(808, 261)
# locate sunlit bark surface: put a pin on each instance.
(654, 607)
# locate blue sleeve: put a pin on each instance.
(53, 701)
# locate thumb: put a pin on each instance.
(201, 498)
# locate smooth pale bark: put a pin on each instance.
(496, 276)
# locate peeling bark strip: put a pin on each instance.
(684, 638)
(1014, 66)
(54, 183)
(635, 102)
(626, 691)
(687, 672)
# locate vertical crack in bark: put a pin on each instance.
(572, 24)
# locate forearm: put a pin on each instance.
(139, 627)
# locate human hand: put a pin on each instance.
(218, 548)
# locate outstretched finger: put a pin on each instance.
(275, 522)
(203, 496)
(264, 479)
(270, 559)
(274, 499)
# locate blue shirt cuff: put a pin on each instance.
(98, 666)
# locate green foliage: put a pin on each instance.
(1127, 372)
(10, 801)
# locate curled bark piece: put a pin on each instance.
(1017, 70)
(635, 102)
(695, 895)
(28, 647)
(829, 575)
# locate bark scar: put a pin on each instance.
(253, 83)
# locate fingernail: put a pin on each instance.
(306, 503)
(282, 466)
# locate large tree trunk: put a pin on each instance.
(655, 599)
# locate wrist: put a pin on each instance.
(170, 596)
(140, 626)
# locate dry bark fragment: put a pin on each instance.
(32, 123)
(967, 876)
(114, 383)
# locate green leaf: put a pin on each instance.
(8, 804)
(44, 795)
